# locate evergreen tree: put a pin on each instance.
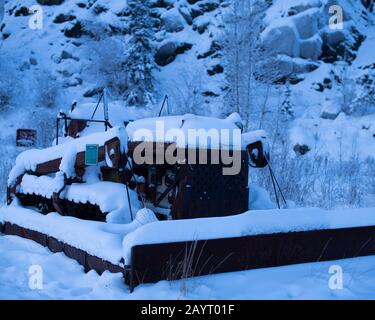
(140, 56)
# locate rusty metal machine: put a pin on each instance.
(180, 190)
(156, 207)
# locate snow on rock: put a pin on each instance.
(302, 139)
(289, 45)
(311, 48)
(166, 53)
(246, 224)
(173, 20)
(288, 65)
(307, 23)
(330, 110)
(343, 137)
(300, 29)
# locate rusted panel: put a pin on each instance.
(76, 254)
(113, 174)
(113, 149)
(43, 204)
(85, 211)
(149, 144)
(204, 188)
(75, 127)
(154, 262)
(100, 265)
(55, 245)
(88, 261)
(160, 148)
(13, 229)
(11, 190)
(25, 138)
(57, 203)
(53, 165)
(204, 191)
(156, 157)
(95, 263)
(115, 268)
(48, 167)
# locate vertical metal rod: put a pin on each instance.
(57, 130)
(129, 203)
(274, 187)
(66, 126)
(277, 183)
(105, 107)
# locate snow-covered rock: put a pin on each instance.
(300, 28)
(330, 110)
(311, 48)
(283, 39)
(166, 54)
(172, 20)
(307, 23)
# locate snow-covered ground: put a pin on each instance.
(64, 278)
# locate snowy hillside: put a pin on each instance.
(81, 42)
(82, 47)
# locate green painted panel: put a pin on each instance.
(91, 154)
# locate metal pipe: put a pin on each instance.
(57, 130)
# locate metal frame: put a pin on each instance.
(63, 116)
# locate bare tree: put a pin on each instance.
(250, 66)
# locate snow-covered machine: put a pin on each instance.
(163, 198)
(171, 177)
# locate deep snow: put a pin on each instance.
(64, 278)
